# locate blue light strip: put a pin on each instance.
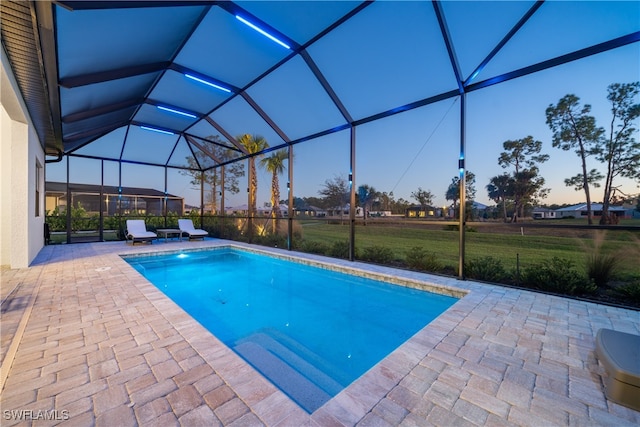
(171, 110)
(156, 130)
(261, 31)
(224, 89)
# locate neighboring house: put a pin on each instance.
(580, 210)
(311, 211)
(417, 211)
(114, 200)
(376, 214)
(243, 210)
(478, 209)
(544, 213)
(632, 210)
(338, 211)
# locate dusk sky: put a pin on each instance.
(389, 55)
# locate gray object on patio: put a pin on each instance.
(186, 227)
(137, 231)
(619, 352)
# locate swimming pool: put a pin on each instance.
(309, 330)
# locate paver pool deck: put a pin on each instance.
(86, 340)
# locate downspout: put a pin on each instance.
(60, 155)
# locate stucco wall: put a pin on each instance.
(21, 235)
(5, 188)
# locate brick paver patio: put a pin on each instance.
(87, 341)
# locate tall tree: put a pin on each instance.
(524, 156)
(366, 195)
(385, 201)
(620, 151)
(213, 177)
(453, 191)
(399, 206)
(253, 144)
(573, 128)
(500, 189)
(423, 197)
(336, 193)
(274, 163)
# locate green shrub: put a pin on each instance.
(340, 249)
(56, 220)
(557, 275)
(314, 247)
(487, 268)
(630, 292)
(377, 254)
(601, 268)
(420, 259)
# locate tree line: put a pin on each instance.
(514, 191)
(575, 129)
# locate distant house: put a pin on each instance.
(478, 209)
(632, 210)
(339, 211)
(417, 211)
(544, 213)
(580, 210)
(111, 200)
(243, 210)
(311, 211)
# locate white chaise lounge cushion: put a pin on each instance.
(137, 230)
(186, 227)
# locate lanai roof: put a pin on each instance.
(101, 78)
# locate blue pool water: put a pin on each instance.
(311, 331)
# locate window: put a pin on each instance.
(38, 186)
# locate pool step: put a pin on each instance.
(338, 375)
(299, 379)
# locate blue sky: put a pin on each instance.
(389, 55)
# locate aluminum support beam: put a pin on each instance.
(463, 185)
(352, 197)
(226, 134)
(290, 200)
(265, 116)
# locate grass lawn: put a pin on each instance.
(506, 243)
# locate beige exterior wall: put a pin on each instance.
(21, 229)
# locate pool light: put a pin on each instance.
(182, 255)
(166, 132)
(174, 111)
(261, 31)
(224, 89)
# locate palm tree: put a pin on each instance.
(275, 164)
(253, 144)
(366, 194)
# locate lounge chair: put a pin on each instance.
(186, 227)
(137, 231)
